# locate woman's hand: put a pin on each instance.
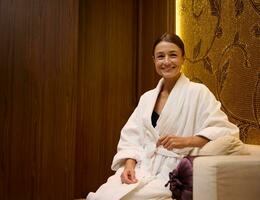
(172, 141)
(128, 175)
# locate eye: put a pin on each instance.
(173, 55)
(160, 57)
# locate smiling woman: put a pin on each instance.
(168, 122)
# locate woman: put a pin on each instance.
(167, 124)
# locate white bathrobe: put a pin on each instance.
(191, 109)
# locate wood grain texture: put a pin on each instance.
(106, 86)
(115, 68)
(71, 74)
(155, 18)
(38, 98)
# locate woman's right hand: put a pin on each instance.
(128, 175)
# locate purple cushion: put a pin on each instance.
(181, 179)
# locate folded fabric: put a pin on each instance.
(225, 145)
(180, 179)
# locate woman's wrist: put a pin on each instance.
(130, 162)
(197, 141)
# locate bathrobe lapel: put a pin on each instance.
(172, 108)
(149, 110)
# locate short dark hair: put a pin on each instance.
(172, 38)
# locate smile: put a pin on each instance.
(169, 68)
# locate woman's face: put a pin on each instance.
(168, 59)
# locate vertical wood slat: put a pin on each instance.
(106, 86)
(38, 98)
(155, 18)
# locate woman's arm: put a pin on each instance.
(171, 141)
(129, 145)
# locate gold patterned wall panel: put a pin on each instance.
(222, 41)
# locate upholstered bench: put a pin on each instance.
(227, 177)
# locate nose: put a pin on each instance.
(167, 59)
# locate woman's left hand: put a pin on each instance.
(172, 141)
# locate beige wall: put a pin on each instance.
(223, 44)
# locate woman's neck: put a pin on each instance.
(169, 84)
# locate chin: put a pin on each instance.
(171, 76)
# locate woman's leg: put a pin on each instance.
(154, 190)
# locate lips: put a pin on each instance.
(168, 68)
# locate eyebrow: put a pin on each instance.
(173, 51)
(161, 52)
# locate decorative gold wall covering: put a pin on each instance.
(222, 41)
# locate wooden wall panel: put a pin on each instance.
(45, 96)
(115, 68)
(38, 63)
(106, 86)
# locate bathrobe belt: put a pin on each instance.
(151, 150)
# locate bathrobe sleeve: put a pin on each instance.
(130, 143)
(213, 122)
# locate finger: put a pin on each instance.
(160, 139)
(169, 144)
(122, 177)
(133, 176)
(125, 178)
(169, 147)
(165, 140)
(127, 181)
(159, 142)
